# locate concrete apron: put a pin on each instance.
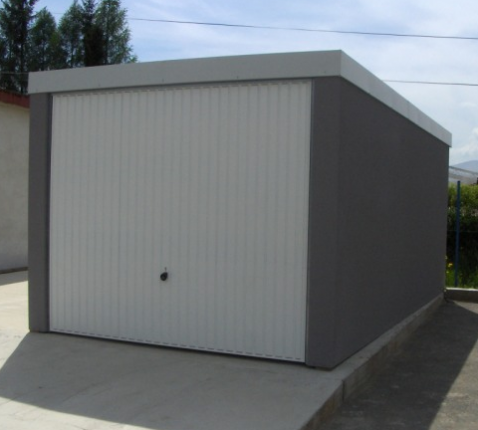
(462, 294)
(50, 381)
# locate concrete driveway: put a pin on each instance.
(50, 381)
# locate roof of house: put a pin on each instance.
(292, 65)
(14, 99)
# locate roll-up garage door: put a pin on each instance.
(179, 216)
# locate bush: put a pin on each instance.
(468, 252)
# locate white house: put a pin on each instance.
(14, 130)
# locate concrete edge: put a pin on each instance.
(462, 294)
(326, 410)
(362, 366)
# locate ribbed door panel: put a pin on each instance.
(207, 182)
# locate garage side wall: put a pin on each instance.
(386, 205)
(38, 212)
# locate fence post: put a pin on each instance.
(457, 231)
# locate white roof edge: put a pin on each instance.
(292, 65)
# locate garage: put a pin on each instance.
(204, 204)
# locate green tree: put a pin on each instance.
(70, 33)
(93, 46)
(112, 20)
(43, 41)
(88, 9)
(3, 53)
(16, 18)
(92, 36)
(57, 54)
(87, 35)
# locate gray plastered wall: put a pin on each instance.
(377, 220)
(38, 212)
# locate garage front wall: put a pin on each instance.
(208, 184)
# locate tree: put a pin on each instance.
(111, 18)
(87, 35)
(3, 54)
(70, 31)
(43, 41)
(57, 55)
(88, 9)
(92, 36)
(93, 46)
(16, 18)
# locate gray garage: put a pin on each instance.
(285, 206)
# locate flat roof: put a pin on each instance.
(293, 65)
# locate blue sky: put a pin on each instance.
(454, 107)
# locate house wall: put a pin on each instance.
(377, 220)
(14, 129)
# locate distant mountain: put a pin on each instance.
(468, 165)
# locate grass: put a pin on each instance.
(467, 277)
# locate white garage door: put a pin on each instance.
(208, 184)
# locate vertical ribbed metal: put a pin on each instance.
(207, 182)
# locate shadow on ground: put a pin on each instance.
(149, 387)
(431, 384)
(13, 277)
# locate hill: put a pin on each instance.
(468, 165)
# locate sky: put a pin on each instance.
(455, 107)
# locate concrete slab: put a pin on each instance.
(50, 381)
(462, 294)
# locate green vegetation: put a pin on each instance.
(16, 17)
(468, 252)
(88, 34)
